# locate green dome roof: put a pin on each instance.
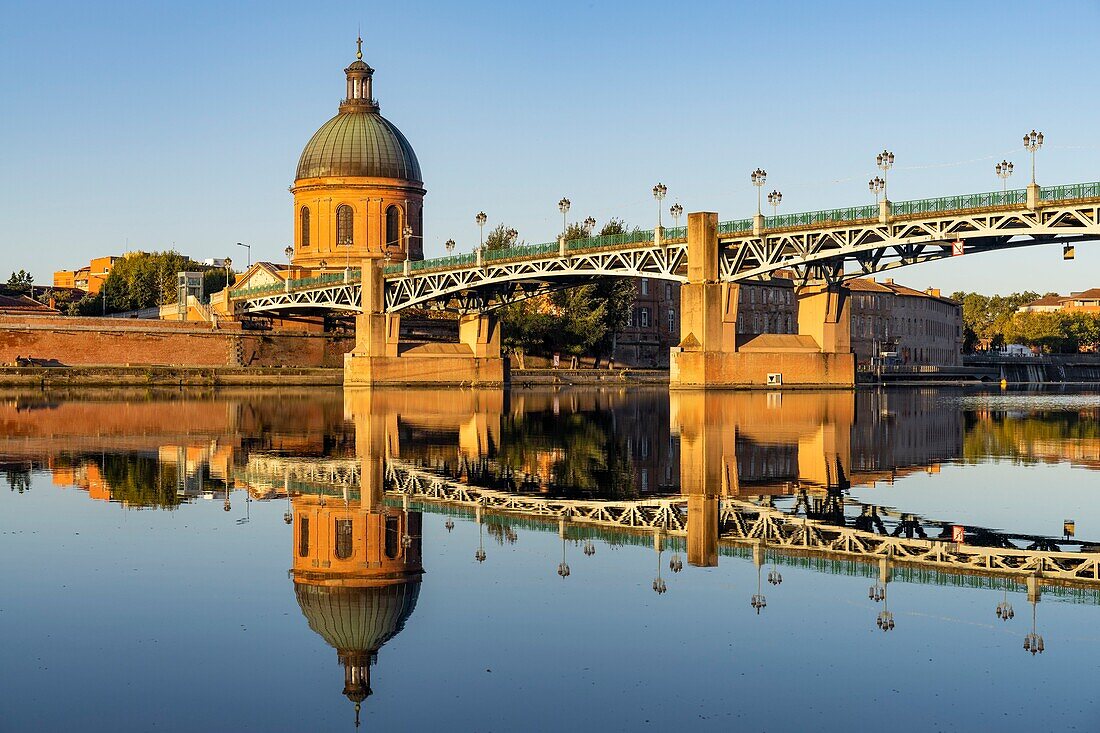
(359, 143)
(357, 619)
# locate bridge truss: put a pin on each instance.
(827, 251)
(739, 521)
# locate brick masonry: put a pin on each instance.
(116, 341)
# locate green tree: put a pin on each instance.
(20, 282)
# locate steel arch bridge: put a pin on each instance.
(820, 246)
(739, 520)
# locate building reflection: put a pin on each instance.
(356, 571)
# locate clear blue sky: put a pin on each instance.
(154, 125)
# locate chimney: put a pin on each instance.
(934, 292)
(889, 281)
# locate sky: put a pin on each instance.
(150, 125)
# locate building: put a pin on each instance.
(358, 184)
(892, 321)
(89, 279)
(654, 324)
(764, 306)
(1085, 301)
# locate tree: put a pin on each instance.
(20, 282)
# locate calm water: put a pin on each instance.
(541, 560)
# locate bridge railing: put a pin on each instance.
(258, 290)
(1014, 197)
(735, 227)
(325, 278)
(609, 241)
(808, 218)
(1069, 192)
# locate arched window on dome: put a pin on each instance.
(304, 224)
(344, 230)
(391, 538)
(343, 539)
(393, 227)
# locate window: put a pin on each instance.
(788, 321)
(645, 286)
(343, 539)
(645, 316)
(304, 219)
(303, 535)
(668, 291)
(391, 537)
(344, 234)
(393, 227)
(752, 295)
(671, 320)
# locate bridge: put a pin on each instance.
(709, 258)
(706, 523)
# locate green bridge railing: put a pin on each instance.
(1014, 197)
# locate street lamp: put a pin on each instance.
(249, 248)
(774, 198)
(589, 225)
(289, 252)
(450, 245)
(563, 207)
(228, 269)
(877, 186)
(659, 193)
(407, 231)
(1033, 642)
(885, 161)
(1003, 171)
(759, 178)
(659, 585)
(758, 601)
(677, 211)
(1004, 608)
(1032, 142)
(481, 218)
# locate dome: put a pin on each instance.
(359, 143)
(357, 619)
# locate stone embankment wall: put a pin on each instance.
(122, 341)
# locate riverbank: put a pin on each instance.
(167, 376)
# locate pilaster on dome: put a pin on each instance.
(360, 82)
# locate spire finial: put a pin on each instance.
(359, 46)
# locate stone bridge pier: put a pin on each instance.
(712, 354)
(379, 358)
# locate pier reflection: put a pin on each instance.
(698, 477)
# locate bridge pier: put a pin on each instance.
(379, 359)
(712, 354)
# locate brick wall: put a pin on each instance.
(93, 341)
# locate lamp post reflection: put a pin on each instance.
(885, 618)
(1033, 642)
(659, 586)
(759, 557)
(563, 566)
(1004, 608)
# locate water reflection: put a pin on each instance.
(356, 572)
(698, 478)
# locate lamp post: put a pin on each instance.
(1033, 642)
(228, 269)
(450, 245)
(676, 211)
(563, 207)
(563, 566)
(884, 161)
(407, 232)
(659, 193)
(589, 225)
(1032, 142)
(1004, 608)
(759, 177)
(1003, 170)
(481, 218)
(877, 186)
(289, 252)
(249, 248)
(659, 585)
(773, 199)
